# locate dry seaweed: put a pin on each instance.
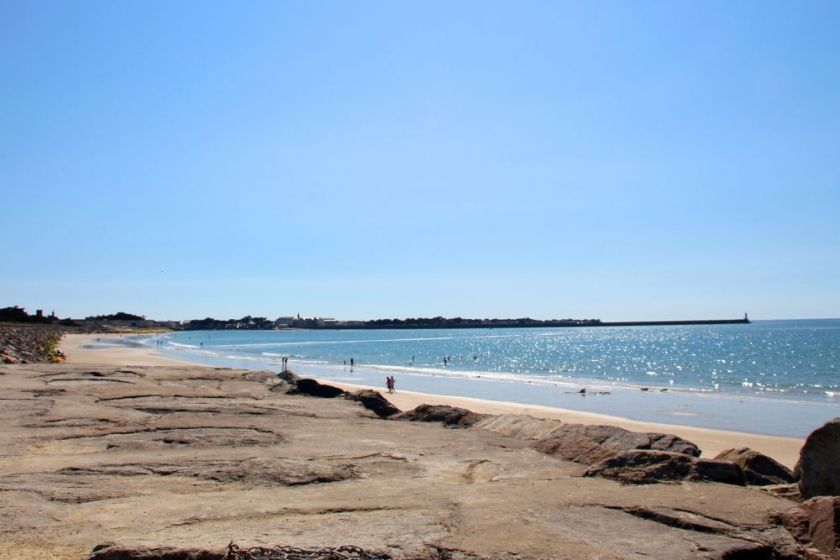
(292, 553)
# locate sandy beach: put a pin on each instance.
(88, 349)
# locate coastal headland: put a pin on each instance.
(119, 452)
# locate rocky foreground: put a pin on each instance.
(30, 344)
(114, 463)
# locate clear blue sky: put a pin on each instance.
(620, 160)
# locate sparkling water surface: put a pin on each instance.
(783, 375)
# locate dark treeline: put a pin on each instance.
(118, 316)
(17, 314)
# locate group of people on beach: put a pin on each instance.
(389, 383)
(285, 361)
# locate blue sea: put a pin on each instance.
(773, 377)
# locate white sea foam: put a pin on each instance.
(548, 380)
(495, 336)
(246, 358)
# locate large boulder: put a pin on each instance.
(714, 470)
(816, 523)
(759, 469)
(451, 416)
(289, 376)
(643, 467)
(286, 382)
(817, 468)
(646, 466)
(587, 444)
(374, 401)
(314, 389)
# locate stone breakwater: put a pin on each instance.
(28, 344)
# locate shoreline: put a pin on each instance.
(684, 381)
(91, 350)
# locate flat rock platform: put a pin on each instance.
(196, 457)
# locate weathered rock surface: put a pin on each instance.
(451, 416)
(613, 452)
(759, 469)
(375, 402)
(263, 376)
(645, 466)
(787, 491)
(191, 457)
(591, 444)
(255, 471)
(819, 460)
(816, 523)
